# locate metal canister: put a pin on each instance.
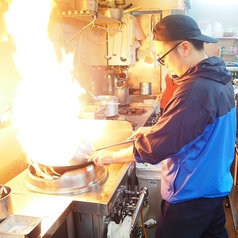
(6, 208)
(145, 88)
(122, 94)
(111, 102)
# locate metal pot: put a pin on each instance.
(111, 102)
(85, 5)
(5, 202)
(122, 94)
(115, 13)
(145, 88)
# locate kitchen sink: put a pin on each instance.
(139, 98)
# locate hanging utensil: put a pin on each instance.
(113, 53)
(123, 59)
(106, 56)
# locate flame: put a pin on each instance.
(46, 104)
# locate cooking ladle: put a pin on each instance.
(106, 56)
(123, 59)
(113, 53)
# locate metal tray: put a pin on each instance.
(21, 226)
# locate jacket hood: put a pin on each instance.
(212, 68)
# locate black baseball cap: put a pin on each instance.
(179, 27)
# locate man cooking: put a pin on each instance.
(195, 136)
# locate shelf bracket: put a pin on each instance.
(89, 24)
(106, 28)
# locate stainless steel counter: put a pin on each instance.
(137, 101)
(55, 209)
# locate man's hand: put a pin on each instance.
(84, 149)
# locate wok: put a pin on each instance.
(114, 132)
(59, 170)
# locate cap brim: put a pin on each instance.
(204, 38)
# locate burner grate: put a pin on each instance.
(132, 111)
(72, 182)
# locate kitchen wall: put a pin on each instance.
(208, 12)
(146, 68)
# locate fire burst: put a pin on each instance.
(46, 104)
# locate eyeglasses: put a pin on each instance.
(160, 59)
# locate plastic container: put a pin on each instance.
(150, 176)
(148, 171)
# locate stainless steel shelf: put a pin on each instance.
(89, 16)
(232, 54)
(227, 38)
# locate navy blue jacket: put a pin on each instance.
(195, 136)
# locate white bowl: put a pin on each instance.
(149, 101)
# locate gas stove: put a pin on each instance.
(71, 182)
(92, 204)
